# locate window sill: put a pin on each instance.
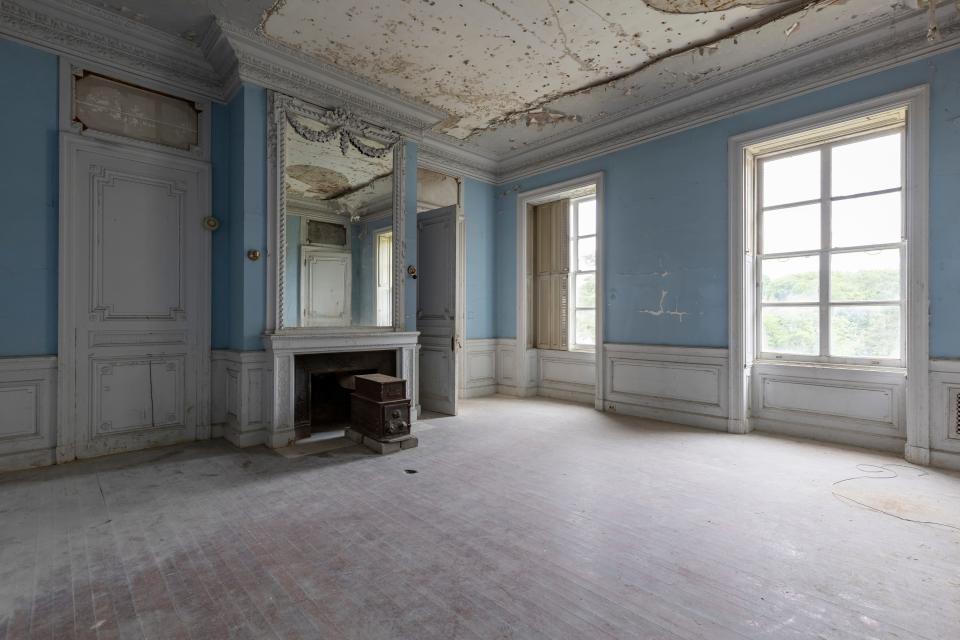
(831, 366)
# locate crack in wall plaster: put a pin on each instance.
(660, 311)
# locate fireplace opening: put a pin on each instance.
(324, 382)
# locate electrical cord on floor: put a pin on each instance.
(885, 468)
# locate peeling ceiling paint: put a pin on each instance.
(513, 74)
(488, 62)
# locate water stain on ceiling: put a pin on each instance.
(488, 62)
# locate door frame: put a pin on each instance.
(460, 284)
(70, 143)
(534, 197)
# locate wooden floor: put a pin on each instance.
(524, 519)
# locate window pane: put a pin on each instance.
(587, 254)
(868, 165)
(793, 229)
(587, 218)
(792, 179)
(586, 326)
(586, 290)
(868, 220)
(793, 330)
(865, 332)
(791, 279)
(865, 276)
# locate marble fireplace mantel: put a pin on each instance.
(283, 346)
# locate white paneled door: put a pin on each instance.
(436, 309)
(135, 281)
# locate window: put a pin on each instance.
(583, 272)
(831, 245)
(384, 276)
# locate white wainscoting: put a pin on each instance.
(567, 375)
(862, 407)
(945, 413)
(241, 393)
(675, 384)
(479, 368)
(28, 412)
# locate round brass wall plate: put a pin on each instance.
(211, 224)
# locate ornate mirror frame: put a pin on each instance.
(350, 130)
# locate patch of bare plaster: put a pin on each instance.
(660, 311)
(706, 6)
(542, 117)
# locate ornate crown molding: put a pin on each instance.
(101, 38)
(842, 56)
(244, 56)
(437, 153)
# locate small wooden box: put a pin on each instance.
(380, 420)
(381, 388)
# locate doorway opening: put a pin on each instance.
(440, 290)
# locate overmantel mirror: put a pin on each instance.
(339, 187)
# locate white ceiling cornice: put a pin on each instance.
(229, 55)
(88, 34)
(259, 60)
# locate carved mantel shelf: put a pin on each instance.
(283, 346)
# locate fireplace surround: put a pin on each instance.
(350, 351)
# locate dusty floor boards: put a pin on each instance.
(525, 519)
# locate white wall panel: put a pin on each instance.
(28, 410)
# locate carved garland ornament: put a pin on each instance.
(347, 126)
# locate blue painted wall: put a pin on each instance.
(28, 201)
(239, 158)
(666, 217)
(410, 231)
(480, 230)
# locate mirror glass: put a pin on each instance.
(339, 226)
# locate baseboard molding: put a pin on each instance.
(241, 395)
(581, 397)
(28, 412)
(478, 391)
(699, 420)
(945, 460)
(878, 441)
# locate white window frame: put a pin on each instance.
(575, 239)
(824, 252)
(742, 325)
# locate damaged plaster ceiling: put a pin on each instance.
(512, 74)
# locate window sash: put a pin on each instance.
(826, 251)
(575, 271)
